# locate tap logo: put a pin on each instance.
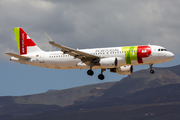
(136, 53)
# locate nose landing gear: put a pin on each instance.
(151, 71)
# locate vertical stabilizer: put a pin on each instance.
(25, 44)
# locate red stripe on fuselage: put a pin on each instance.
(143, 52)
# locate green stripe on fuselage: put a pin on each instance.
(130, 53)
(17, 35)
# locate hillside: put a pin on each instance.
(142, 105)
(138, 96)
(61, 97)
(17, 106)
(142, 80)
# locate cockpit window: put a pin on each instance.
(162, 50)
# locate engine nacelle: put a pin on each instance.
(111, 62)
(107, 62)
(123, 70)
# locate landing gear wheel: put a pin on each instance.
(152, 71)
(90, 72)
(101, 76)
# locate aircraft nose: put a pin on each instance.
(170, 55)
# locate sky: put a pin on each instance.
(81, 24)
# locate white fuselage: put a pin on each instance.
(118, 60)
(59, 60)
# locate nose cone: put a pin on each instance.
(170, 55)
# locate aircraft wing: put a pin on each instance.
(83, 56)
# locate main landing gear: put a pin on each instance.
(100, 76)
(151, 71)
(90, 72)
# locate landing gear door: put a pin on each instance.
(41, 58)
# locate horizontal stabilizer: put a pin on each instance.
(18, 56)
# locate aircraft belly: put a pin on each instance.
(69, 64)
(63, 63)
(134, 62)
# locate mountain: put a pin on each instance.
(140, 95)
(60, 97)
(18, 106)
(159, 103)
(142, 80)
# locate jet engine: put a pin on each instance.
(123, 70)
(111, 62)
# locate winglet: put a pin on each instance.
(49, 39)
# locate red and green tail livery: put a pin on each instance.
(23, 40)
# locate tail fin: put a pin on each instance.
(24, 42)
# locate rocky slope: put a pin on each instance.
(138, 96)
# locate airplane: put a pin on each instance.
(118, 60)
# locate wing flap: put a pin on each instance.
(18, 56)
